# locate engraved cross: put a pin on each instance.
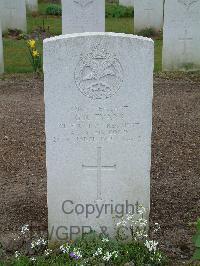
(11, 10)
(148, 7)
(99, 168)
(149, 10)
(185, 41)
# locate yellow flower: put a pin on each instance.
(31, 43)
(35, 53)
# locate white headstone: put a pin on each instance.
(1, 52)
(98, 98)
(148, 14)
(32, 5)
(13, 14)
(181, 35)
(83, 16)
(126, 2)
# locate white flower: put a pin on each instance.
(142, 222)
(115, 254)
(141, 210)
(24, 229)
(47, 252)
(76, 253)
(140, 234)
(33, 259)
(122, 223)
(65, 248)
(159, 257)
(17, 254)
(39, 242)
(107, 256)
(157, 227)
(98, 252)
(130, 217)
(105, 240)
(151, 245)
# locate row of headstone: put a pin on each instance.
(181, 35)
(180, 38)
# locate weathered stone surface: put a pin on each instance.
(126, 2)
(148, 14)
(13, 14)
(98, 98)
(32, 5)
(181, 35)
(83, 16)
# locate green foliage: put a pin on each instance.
(54, 10)
(112, 10)
(148, 32)
(118, 11)
(93, 249)
(196, 241)
(34, 56)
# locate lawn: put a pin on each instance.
(15, 51)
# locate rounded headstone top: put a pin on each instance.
(106, 34)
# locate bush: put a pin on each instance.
(117, 11)
(54, 10)
(148, 32)
(91, 249)
(112, 10)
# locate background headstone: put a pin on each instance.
(13, 15)
(181, 35)
(98, 100)
(32, 5)
(148, 14)
(1, 52)
(83, 16)
(126, 2)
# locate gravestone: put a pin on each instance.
(13, 15)
(181, 35)
(98, 105)
(148, 14)
(32, 5)
(83, 16)
(126, 2)
(1, 52)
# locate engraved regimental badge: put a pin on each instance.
(83, 3)
(98, 74)
(188, 3)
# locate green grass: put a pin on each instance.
(42, 8)
(15, 51)
(158, 56)
(54, 24)
(16, 56)
(119, 25)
